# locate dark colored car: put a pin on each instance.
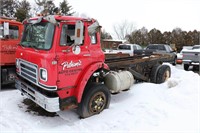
(163, 48)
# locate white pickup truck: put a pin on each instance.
(124, 49)
(191, 57)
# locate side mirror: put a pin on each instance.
(94, 28)
(6, 28)
(78, 33)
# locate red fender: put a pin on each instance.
(90, 70)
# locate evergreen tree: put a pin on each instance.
(8, 7)
(155, 36)
(135, 37)
(48, 6)
(167, 37)
(23, 11)
(105, 35)
(65, 8)
(195, 37)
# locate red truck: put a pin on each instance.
(10, 35)
(60, 65)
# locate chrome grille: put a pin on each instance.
(28, 71)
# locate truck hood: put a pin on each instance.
(42, 59)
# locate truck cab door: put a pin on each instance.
(72, 59)
(10, 35)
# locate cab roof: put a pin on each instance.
(10, 21)
(66, 18)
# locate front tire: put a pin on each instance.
(95, 99)
(174, 62)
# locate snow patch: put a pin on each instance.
(172, 83)
(145, 108)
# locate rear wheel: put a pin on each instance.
(95, 99)
(153, 74)
(186, 67)
(196, 68)
(164, 73)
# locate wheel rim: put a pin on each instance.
(166, 75)
(97, 102)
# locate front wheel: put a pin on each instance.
(95, 99)
(174, 62)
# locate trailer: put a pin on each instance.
(60, 65)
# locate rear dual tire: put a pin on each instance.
(160, 73)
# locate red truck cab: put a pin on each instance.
(52, 69)
(10, 35)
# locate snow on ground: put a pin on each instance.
(171, 107)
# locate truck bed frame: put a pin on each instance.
(139, 65)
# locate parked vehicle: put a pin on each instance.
(179, 59)
(164, 48)
(10, 35)
(60, 65)
(125, 49)
(191, 57)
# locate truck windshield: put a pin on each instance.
(38, 36)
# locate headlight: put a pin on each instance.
(43, 74)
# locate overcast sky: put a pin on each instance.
(164, 15)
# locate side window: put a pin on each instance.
(93, 39)
(161, 47)
(13, 32)
(134, 47)
(67, 35)
(168, 48)
(139, 47)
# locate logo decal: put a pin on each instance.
(71, 64)
(9, 48)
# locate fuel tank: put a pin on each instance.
(119, 81)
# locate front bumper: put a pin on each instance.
(49, 104)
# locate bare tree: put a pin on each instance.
(123, 29)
